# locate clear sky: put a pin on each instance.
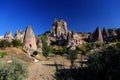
(80, 15)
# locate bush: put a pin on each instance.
(35, 53)
(4, 44)
(16, 43)
(16, 70)
(2, 54)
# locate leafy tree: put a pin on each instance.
(46, 49)
(72, 56)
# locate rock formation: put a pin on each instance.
(96, 36)
(8, 37)
(19, 35)
(59, 32)
(29, 42)
(112, 33)
(105, 33)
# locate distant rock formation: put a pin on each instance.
(60, 35)
(96, 36)
(8, 37)
(19, 35)
(39, 44)
(59, 32)
(29, 42)
(112, 33)
(105, 33)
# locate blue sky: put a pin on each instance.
(80, 15)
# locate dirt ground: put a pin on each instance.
(45, 70)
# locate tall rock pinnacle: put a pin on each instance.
(29, 42)
(96, 36)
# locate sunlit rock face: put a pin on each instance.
(59, 32)
(29, 42)
(60, 35)
(8, 37)
(19, 35)
(96, 36)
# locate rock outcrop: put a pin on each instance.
(105, 33)
(19, 35)
(96, 36)
(112, 33)
(8, 37)
(29, 42)
(59, 32)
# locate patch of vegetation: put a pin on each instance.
(16, 43)
(46, 48)
(4, 44)
(16, 70)
(60, 51)
(2, 54)
(102, 65)
(35, 53)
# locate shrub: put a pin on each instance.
(16, 70)
(4, 44)
(16, 43)
(2, 54)
(35, 53)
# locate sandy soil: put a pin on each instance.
(44, 70)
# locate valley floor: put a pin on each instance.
(44, 70)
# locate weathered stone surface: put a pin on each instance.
(19, 35)
(105, 33)
(112, 33)
(60, 35)
(29, 42)
(96, 36)
(59, 32)
(8, 37)
(39, 42)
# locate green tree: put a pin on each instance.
(46, 49)
(72, 56)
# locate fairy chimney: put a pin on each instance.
(29, 42)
